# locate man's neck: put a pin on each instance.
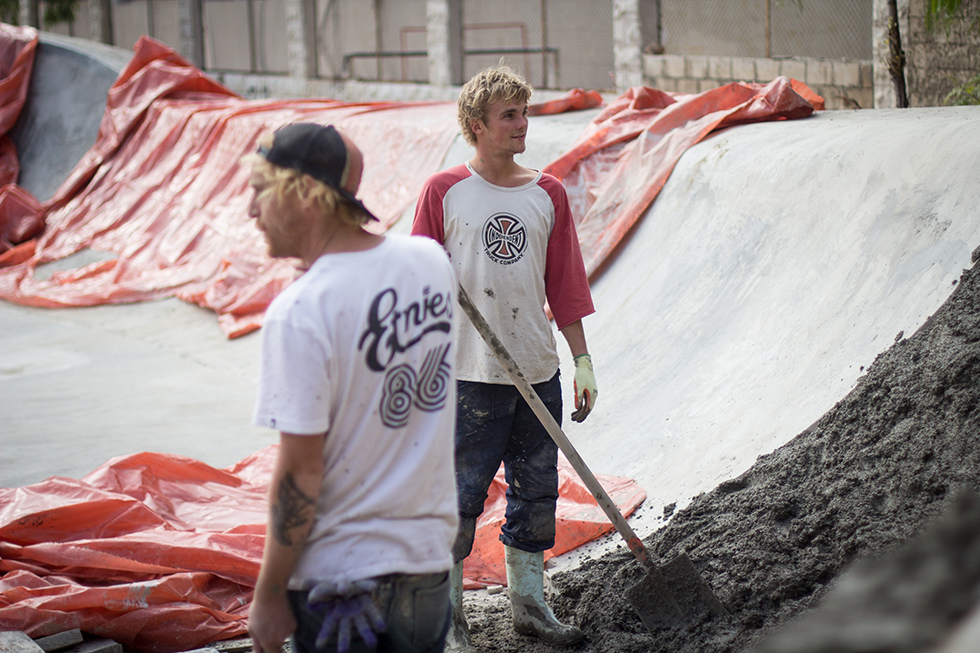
(501, 171)
(343, 238)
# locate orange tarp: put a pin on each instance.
(20, 215)
(624, 157)
(162, 190)
(161, 552)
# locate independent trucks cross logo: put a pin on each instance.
(504, 239)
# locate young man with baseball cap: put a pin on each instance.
(513, 244)
(358, 375)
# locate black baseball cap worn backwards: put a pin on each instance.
(322, 152)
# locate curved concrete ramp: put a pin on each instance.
(777, 262)
(64, 106)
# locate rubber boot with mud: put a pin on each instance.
(458, 638)
(532, 616)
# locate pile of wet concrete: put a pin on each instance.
(860, 534)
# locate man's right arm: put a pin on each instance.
(293, 493)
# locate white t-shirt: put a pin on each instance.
(513, 250)
(361, 346)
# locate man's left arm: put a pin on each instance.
(293, 494)
(584, 381)
(569, 297)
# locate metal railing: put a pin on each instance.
(346, 72)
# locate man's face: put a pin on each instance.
(279, 222)
(504, 128)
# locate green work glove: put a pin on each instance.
(585, 390)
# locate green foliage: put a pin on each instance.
(940, 13)
(9, 12)
(966, 93)
(55, 11)
(60, 11)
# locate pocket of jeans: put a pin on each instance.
(432, 611)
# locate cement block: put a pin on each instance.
(847, 73)
(743, 70)
(98, 646)
(697, 67)
(60, 641)
(675, 65)
(864, 96)
(234, 645)
(653, 65)
(16, 641)
(819, 73)
(720, 68)
(708, 84)
(793, 68)
(687, 86)
(766, 70)
(867, 74)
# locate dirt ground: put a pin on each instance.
(861, 534)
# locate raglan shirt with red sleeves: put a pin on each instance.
(512, 250)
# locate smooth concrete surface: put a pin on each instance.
(79, 386)
(64, 106)
(777, 262)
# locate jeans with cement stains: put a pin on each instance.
(415, 607)
(494, 424)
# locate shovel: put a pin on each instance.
(664, 597)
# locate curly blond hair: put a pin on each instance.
(496, 84)
(287, 183)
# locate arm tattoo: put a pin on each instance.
(292, 508)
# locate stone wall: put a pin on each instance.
(943, 58)
(842, 84)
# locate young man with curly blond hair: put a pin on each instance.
(358, 375)
(509, 232)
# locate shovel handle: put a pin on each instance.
(554, 430)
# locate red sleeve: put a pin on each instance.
(428, 219)
(566, 284)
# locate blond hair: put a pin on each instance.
(293, 185)
(497, 84)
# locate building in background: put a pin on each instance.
(414, 49)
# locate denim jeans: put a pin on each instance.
(416, 609)
(494, 424)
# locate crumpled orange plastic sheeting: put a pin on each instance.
(624, 157)
(19, 217)
(576, 99)
(161, 552)
(21, 220)
(155, 551)
(163, 190)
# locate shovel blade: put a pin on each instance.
(652, 601)
(675, 595)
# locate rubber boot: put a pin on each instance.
(458, 638)
(532, 616)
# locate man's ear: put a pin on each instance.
(304, 188)
(476, 125)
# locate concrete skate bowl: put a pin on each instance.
(777, 262)
(65, 102)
